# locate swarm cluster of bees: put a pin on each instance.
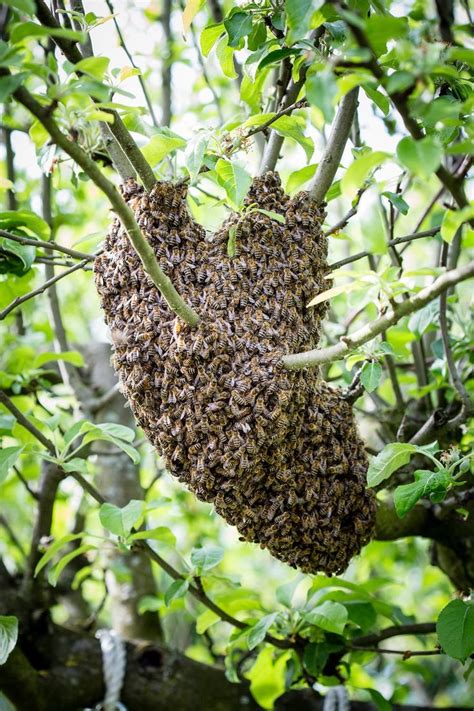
(277, 452)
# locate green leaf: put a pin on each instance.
(113, 429)
(260, 629)
(405, 497)
(276, 56)
(24, 218)
(379, 99)
(238, 26)
(26, 6)
(284, 593)
(294, 127)
(161, 533)
(76, 464)
(321, 91)
(361, 613)
(8, 636)
(271, 214)
(379, 701)
(331, 293)
(205, 620)
(421, 157)
(427, 483)
(225, 55)
(397, 201)
(299, 178)
(161, 145)
(232, 241)
(267, 677)
(455, 629)
(194, 154)
(73, 357)
(420, 320)
(391, 458)
(330, 616)
(54, 548)
(25, 30)
(453, 220)
(382, 28)
(95, 66)
(209, 37)
(206, 558)
(297, 17)
(120, 521)
(111, 432)
(177, 589)
(357, 173)
(9, 84)
(53, 576)
(316, 654)
(370, 375)
(15, 258)
(234, 179)
(8, 457)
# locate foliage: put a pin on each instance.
(411, 387)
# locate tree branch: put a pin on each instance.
(123, 137)
(125, 214)
(340, 132)
(312, 358)
(47, 284)
(42, 244)
(391, 243)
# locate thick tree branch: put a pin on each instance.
(310, 359)
(125, 214)
(340, 132)
(65, 673)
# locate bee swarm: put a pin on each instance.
(277, 452)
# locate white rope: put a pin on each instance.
(114, 662)
(336, 699)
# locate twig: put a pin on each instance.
(13, 537)
(12, 203)
(125, 214)
(405, 654)
(392, 243)
(337, 140)
(166, 65)
(301, 104)
(25, 483)
(397, 631)
(31, 294)
(312, 358)
(41, 244)
(130, 59)
(353, 211)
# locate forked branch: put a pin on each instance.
(124, 213)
